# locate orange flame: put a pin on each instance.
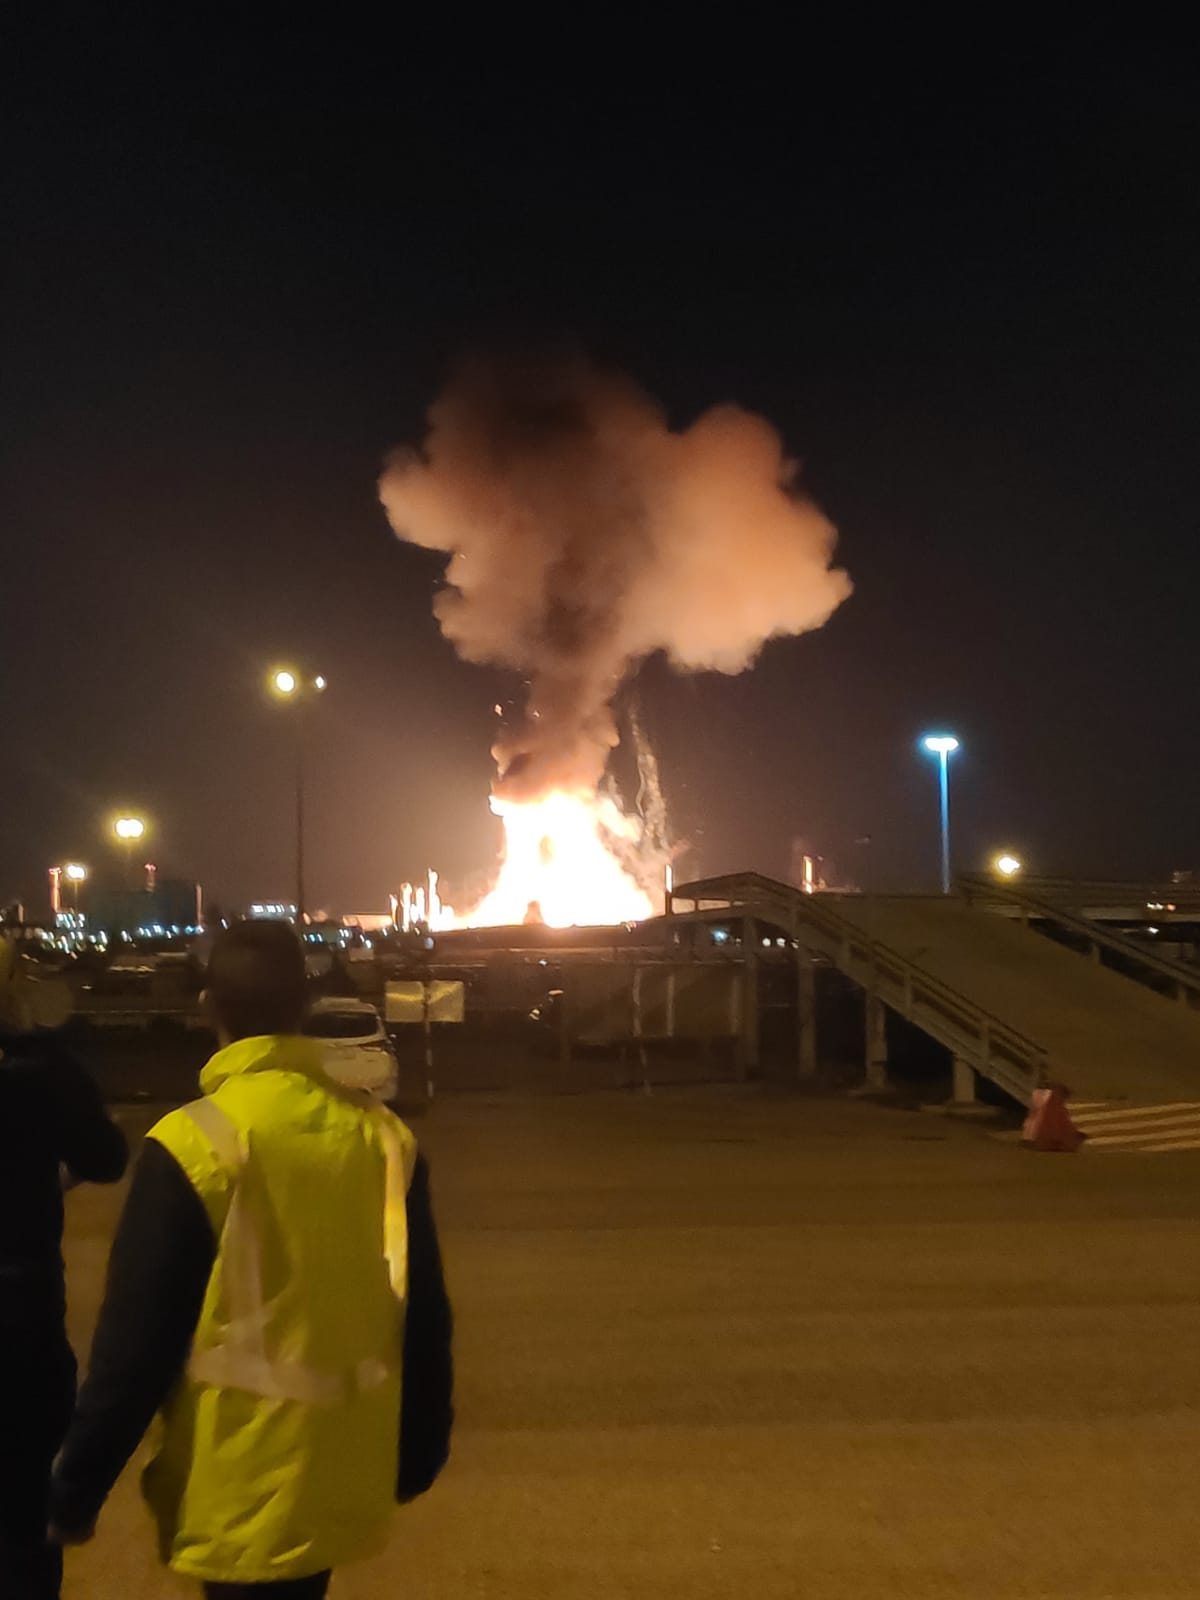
(559, 867)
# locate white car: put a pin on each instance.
(358, 1052)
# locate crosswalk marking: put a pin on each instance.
(1109, 1125)
(1148, 1122)
(1082, 1114)
(1144, 1135)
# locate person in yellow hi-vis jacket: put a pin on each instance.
(274, 1284)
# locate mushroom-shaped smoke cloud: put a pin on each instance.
(585, 534)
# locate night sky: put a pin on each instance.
(238, 272)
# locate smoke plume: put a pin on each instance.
(585, 534)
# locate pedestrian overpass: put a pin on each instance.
(1010, 1004)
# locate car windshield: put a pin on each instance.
(340, 1025)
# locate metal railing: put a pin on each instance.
(984, 1041)
(1153, 897)
(1148, 966)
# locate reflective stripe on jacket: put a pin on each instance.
(279, 1447)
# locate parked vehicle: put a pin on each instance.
(358, 1052)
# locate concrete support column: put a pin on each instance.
(876, 1043)
(806, 1016)
(966, 1084)
(747, 1051)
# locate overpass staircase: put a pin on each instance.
(1046, 907)
(1012, 1006)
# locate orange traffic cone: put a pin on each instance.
(1048, 1125)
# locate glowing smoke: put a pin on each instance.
(584, 534)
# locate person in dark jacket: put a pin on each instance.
(159, 1270)
(54, 1130)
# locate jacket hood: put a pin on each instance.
(270, 1052)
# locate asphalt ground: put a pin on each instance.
(723, 1342)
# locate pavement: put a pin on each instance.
(725, 1342)
(1109, 1038)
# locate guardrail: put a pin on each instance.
(140, 1018)
(1182, 982)
(985, 1042)
(1183, 897)
(988, 1043)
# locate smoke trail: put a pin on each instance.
(584, 534)
(649, 802)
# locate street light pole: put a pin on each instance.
(943, 745)
(129, 830)
(944, 775)
(300, 719)
(288, 684)
(75, 875)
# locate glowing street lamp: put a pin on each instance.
(75, 874)
(289, 685)
(943, 745)
(129, 830)
(1007, 865)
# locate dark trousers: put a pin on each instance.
(290, 1589)
(39, 1397)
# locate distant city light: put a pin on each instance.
(75, 871)
(284, 682)
(318, 682)
(129, 827)
(1008, 865)
(939, 744)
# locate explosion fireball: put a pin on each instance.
(584, 534)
